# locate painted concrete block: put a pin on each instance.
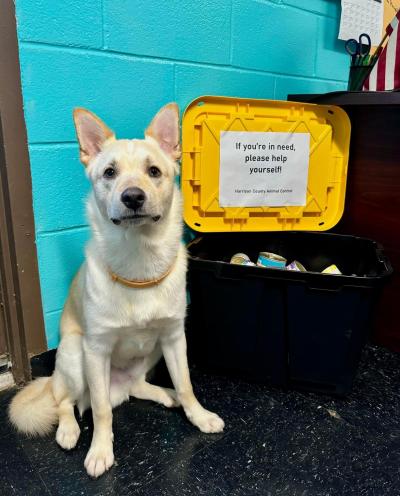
(125, 92)
(61, 23)
(52, 327)
(325, 7)
(272, 37)
(59, 187)
(178, 29)
(290, 85)
(60, 256)
(193, 81)
(332, 61)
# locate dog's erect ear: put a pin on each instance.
(164, 128)
(91, 132)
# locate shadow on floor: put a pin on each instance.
(275, 443)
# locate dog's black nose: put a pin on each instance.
(133, 198)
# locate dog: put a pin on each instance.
(126, 306)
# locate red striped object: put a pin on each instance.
(386, 72)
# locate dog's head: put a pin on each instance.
(133, 180)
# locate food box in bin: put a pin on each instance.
(255, 175)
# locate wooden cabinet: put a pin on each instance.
(373, 189)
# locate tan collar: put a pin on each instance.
(140, 284)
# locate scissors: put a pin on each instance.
(359, 50)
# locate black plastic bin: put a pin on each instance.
(304, 330)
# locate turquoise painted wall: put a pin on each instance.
(123, 59)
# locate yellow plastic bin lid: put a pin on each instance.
(327, 130)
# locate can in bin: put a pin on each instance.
(271, 260)
(241, 259)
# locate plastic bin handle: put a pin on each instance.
(384, 259)
(335, 289)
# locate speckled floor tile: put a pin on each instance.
(275, 443)
(18, 475)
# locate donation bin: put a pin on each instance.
(270, 176)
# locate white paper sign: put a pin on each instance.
(361, 16)
(263, 169)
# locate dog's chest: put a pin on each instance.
(133, 344)
(117, 308)
(112, 305)
(144, 308)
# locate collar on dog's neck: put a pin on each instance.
(140, 284)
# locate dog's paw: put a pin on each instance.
(100, 458)
(168, 398)
(67, 435)
(206, 421)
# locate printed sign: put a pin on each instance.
(263, 169)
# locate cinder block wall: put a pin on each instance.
(123, 59)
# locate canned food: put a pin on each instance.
(240, 259)
(271, 260)
(296, 266)
(332, 269)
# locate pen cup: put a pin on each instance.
(357, 76)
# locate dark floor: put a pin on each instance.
(275, 443)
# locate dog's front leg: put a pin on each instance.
(100, 456)
(173, 343)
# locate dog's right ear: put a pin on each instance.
(92, 133)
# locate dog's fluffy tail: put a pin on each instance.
(33, 410)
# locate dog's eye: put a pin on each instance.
(154, 171)
(109, 172)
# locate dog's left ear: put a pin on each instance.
(164, 128)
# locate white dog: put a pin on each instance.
(126, 305)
